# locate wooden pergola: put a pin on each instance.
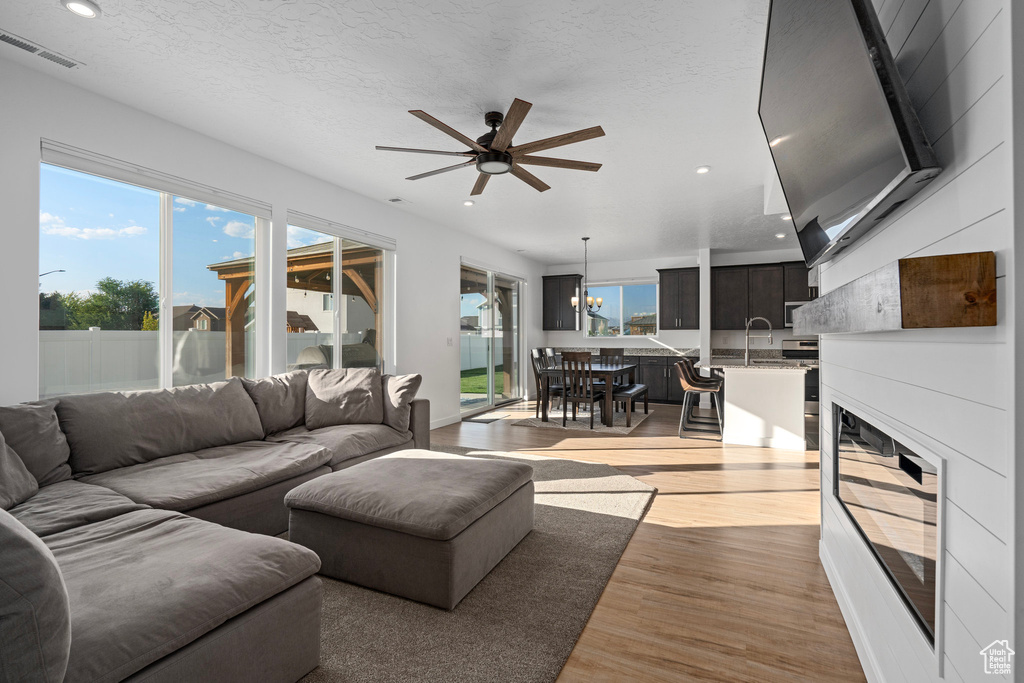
(310, 268)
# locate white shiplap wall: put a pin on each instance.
(950, 391)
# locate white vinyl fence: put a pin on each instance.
(474, 350)
(83, 361)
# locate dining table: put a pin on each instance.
(608, 372)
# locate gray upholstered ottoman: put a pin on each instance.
(424, 525)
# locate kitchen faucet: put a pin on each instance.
(746, 341)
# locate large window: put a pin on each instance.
(626, 311)
(114, 313)
(334, 283)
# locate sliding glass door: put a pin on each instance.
(489, 339)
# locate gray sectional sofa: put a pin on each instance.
(122, 552)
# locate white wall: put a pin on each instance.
(36, 106)
(950, 390)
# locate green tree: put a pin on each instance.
(118, 305)
(59, 311)
(150, 323)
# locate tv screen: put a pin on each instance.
(846, 142)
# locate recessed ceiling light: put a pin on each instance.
(787, 217)
(83, 8)
(703, 169)
(780, 235)
(468, 202)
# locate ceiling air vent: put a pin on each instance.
(36, 49)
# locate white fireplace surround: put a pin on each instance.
(874, 575)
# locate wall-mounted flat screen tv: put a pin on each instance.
(847, 144)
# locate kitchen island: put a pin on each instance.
(764, 401)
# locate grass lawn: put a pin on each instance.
(474, 381)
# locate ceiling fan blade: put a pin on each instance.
(481, 183)
(530, 179)
(558, 163)
(448, 130)
(510, 124)
(557, 141)
(442, 170)
(425, 151)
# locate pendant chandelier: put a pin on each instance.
(588, 301)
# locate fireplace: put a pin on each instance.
(891, 495)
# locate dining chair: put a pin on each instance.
(610, 356)
(578, 384)
(549, 357)
(693, 386)
(539, 363)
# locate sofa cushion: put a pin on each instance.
(68, 504)
(280, 400)
(117, 429)
(345, 442)
(190, 480)
(421, 493)
(145, 584)
(33, 431)
(398, 393)
(343, 397)
(16, 483)
(35, 621)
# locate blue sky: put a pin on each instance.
(95, 228)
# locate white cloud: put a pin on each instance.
(239, 229)
(212, 220)
(214, 240)
(54, 225)
(179, 209)
(300, 237)
(241, 254)
(182, 200)
(111, 215)
(211, 207)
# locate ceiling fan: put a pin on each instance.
(493, 153)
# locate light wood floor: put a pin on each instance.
(721, 580)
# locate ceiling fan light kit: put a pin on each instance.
(493, 153)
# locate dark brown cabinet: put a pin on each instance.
(729, 297)
(653, 373)
(766, 294)
(796, 285)
(679, 306)
(559, 313)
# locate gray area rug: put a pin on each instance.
(521, 622)
(582, 422)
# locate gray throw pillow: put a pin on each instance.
(280, 400)
(35, 614)
(16, 483)
(399, 391)
(34, 433)
(343, 397)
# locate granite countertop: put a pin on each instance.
(759, 364)
(688, 352)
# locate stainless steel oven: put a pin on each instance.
(805, 349)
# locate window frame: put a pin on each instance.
(621, 284)
(168, 187)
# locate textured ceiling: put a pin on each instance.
(315, 85)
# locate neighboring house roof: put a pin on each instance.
(644, 319)
(300, 320)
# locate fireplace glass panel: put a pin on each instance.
(891, 494)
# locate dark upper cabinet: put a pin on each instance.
(766, 294)
(559, 313)
(729, 297)
(679, 293)
(796, 286)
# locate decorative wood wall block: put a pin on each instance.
(953, 290)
